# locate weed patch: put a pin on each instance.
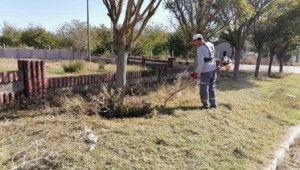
(73, 66)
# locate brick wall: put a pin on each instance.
(30, 79)
(11, 85)
(34, 77)
(171, 62)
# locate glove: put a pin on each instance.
(194, 75)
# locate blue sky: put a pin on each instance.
(52, 13)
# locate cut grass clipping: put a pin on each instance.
(241, 134)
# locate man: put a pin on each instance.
(206, 69)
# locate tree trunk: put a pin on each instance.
(238, 55)
(281, 60)
(256, 73)
(121, 68)
(272, 53)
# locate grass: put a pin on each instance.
(292, 158)
(252, 117)
(55, 68)
(73, 66)
(8, 65)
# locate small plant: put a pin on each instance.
(101, 63)
(110, 104)
(73, 66)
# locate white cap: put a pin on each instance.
(196, 36)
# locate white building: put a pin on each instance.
(224, 48)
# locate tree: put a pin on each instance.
(11, 36)
(153, 41)
(175, 43)
(198, 16)
(38, 37)
(126, 35)
(73, 34)
(104, 40)
(243, 14)
(288, 25)
(259, 36)
(284, 29)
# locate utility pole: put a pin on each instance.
(88, 32)
(112, 38)
(298, 55)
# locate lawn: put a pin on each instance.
(242, 133)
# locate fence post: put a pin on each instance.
(143, 61)
(34, 77)
(171, 62)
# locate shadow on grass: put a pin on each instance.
(171, 110)
(12, 116)
(225, 81)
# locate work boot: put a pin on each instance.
(213, 106)
(204, 107)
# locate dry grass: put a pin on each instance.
(292, 158)
(252, 117)
(55, 68)
(8, 65)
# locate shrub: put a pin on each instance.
(110, 104)
(73, 66)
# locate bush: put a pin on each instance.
(73, 66)
(101, 63)
(109, 104)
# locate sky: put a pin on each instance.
(50, 14)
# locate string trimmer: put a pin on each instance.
(190, 81)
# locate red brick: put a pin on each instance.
(78, 80)
(72, 81)
(11, 96)
(59, 82)
(45, 84)
(1, 98)
(38, 65)
(93, 78)
(89, 79)
(4, 99)
(50, 83)
(1, 77)
(64, 83)
(15, 76)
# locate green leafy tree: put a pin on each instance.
(74, 35)
(39, 37)
(154, 40)
(260, 36)
(288, 31)
(10, 36)
(284, 30)
(176, 44)
(243, 15)
(104, 39)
